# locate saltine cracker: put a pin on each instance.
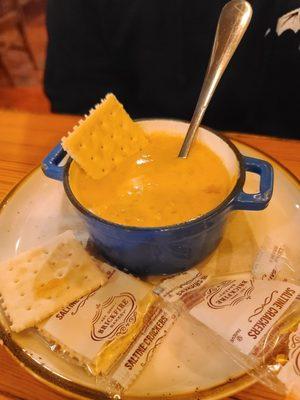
(105, 138)
(39, 282)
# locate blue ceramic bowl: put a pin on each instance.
(174, 248)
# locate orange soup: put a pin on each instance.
(155, 187)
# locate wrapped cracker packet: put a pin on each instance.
(179, 286)
(114, 331)
(157, 325)
(255, 318)
(273, 262)
(281, 355)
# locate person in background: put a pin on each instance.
(152, 55)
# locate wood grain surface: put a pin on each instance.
(24, 140)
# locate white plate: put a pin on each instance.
(187, 361)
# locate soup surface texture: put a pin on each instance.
(155, 187)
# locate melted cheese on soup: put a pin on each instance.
(155, 187)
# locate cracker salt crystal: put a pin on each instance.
(39, 282)
(104, 138)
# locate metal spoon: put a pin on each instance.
(233, 22)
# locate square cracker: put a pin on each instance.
(110, 318)
(104, 138)
(39, 282)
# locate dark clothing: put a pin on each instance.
(152, 54)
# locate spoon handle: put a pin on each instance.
(233, 22)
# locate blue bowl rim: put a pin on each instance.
(217, 210)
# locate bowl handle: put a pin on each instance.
(260, 200)
(50, 164)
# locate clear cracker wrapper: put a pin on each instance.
(142, 350)
(288, 363)
(247, 309)
(272, 262)
(121, 325)
(177, 287)
(256, 319)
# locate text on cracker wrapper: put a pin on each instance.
(243, 311)
(142, 350)
(109, 319)
(179, 286)
(271, 260)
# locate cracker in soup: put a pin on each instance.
(104, 138)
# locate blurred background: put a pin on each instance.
(23, 41)
(152, 55)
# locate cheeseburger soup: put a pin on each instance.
(155, 187)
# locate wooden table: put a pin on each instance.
(24, 140)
